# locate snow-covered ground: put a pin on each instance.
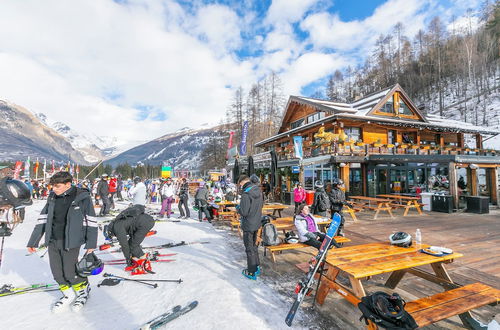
(211, 275)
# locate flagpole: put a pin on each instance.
(93, 169)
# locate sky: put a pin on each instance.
(138, 69)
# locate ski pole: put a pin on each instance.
(173, 281)
(129, 279)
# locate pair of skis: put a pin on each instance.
(155, 257)
(9, 290)
(163, 246)
(164, 318)
(305, 285)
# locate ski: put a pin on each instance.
(304, 286)
(171, 245)
(114, 241)
(123, 262)
(161, 220)
(153, 256)
(163, 319)
(9, 290)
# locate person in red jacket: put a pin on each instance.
(299, 196)
(113, 185)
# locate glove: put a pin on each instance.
(310, 235)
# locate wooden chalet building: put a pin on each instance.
(382, 144)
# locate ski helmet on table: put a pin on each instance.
(291, 237)
(401, 239)
(90, 264)
(337, 182)
(14, 193)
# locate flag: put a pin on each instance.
(27, 168)
(35, 168)
(70, 168)
(17, 169)
(297, 144)
(244, 133)
(77, 169)
(53, 166)
(44, 167)
(230, 144)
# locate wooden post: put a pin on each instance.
(494, 185)
(473, 181)
(344, 175)
(452, 172)
(479, 141)
(441, 140)
(418, 138)
(460, 140)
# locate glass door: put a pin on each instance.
(382, 182)
(355, 183)
(398, 182)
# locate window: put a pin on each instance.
(403, 108)
(315, 117)
(388, 107)
(297, 123)
(353, 133)
(391, 136)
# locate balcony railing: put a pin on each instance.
(353, 149)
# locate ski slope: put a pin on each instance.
(211, 275)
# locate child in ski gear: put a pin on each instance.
(201, 202)
(103, 192)
(130, 227)
(307, 227)
(68, 221)
(138, 192)
(337, 202)
(250, 209)
(321, 203)
(183, 194)
(299, 196)
(168, 197)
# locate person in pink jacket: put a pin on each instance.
(299, 196)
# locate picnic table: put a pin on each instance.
(383, 204)
(360, 262)
(407, 202)
(275, 207)
(225, 204)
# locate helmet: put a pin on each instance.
(137, 180)
(14, 193)
(291, 237)
(104, 176)
(318, 184)
(107, 231)
(254, 179)
(337, 182)
(400, 239)
(89, 265)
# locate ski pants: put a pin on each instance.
(119, 195)
(166, 205)
(183, 206)
(135, 240)
(112, 200)
(252, 250)
(314, 242)
(106, 205)
(63, 263)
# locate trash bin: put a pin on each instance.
(286, 197)
(442, 203)
(427, 201)
(309, 197)
(478, 204)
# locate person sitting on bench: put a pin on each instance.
(307, 227)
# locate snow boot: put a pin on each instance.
(66, 300)
(249, 275)
(258, 272)
(82, 291)
(143, 267)
(131, 266)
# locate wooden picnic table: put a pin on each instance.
(383, 204)
(275, 207)
(407, 202)
(225, 204)
(360, 262)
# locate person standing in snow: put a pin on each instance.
(68, 221)
(119, 188)
(113, 185)
(103, 193)
(183, 194)
(138, 192)
(201, 202)
(168, 197)
(250, 209)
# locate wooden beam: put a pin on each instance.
(452, 173)
(494, 185)
(344, 175)
(473, 179)
(460, 140)
(479, 141)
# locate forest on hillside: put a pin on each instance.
(458, 61)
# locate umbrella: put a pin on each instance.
(236, 171)
(251, 169)
(274, 170)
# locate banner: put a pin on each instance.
(244, 133)
(17, 169)
(44, 167)
(35, 168)
(77, 169)
(297, 144)
(53, 166)
(230, 144)
(166, 171)
(27, 168)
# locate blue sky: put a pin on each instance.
(137, 69)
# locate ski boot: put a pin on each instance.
(258, 272)
(300, 285)
(143, 267)
(82, 291)
(65, 300)
(131, 265)
(249, 275)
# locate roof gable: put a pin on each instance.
(400, 95)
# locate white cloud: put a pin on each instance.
(288, 11)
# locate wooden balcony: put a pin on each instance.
(353, 149)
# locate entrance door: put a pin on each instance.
(355, 183)
(382, 182)
(398, 181)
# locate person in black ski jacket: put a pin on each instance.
(321, 202)
(337, 202)
(130, 227)
(250, 209)
(183, 194)
(68, 221)
(103, 193)
(201, 202)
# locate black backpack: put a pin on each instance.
(323, 202)
(386, 311)
(270, 235)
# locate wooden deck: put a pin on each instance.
(476, 236)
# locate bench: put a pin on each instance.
(274, 249)
(352, 212)
(227, 215)
(458, 301)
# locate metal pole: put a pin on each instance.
(93, 169)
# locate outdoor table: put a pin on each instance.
(275, 207)
(225, 204)
(382, 204)
(408, 202)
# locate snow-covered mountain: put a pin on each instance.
(92, 146)
(22, 134)
(181, 149)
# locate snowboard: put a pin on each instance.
(164, 318)
(305, 285)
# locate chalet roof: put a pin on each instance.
(362, 109)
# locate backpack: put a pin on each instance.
(323, 202)
(270, 235)
(386, 311)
